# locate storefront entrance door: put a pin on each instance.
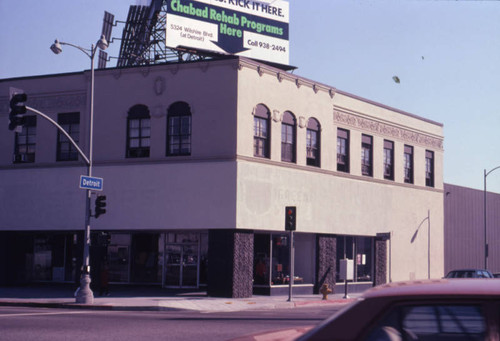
(181, 265)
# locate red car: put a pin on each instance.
(430, 310)
(467, 309)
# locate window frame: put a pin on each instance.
(288, 132)
(366, 150)
(389, 160)
(70, 122)
(139, 113)
(429, 169)
(408, 158)
(343, 150)
(180, 111)
(313, 143)
(28, 137)
(262, 132)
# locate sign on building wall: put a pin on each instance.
(249, 28)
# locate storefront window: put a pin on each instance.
(52, 259)
(360, 249)
(280, 260)
(119, 257)
(261, 259)
(275, 269)
(363, 261)
(42, 259)
(145, 258)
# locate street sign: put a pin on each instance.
(91, 182)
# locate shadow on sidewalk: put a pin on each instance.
(66, 290)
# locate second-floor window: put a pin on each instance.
(25, 144)
(388, 160)
(179, 129)
(429, 168)
(366, 155)
(288, 133)
(408, 166)
(313, 144)
(343, 150)
(70, 122)
(261, 135)
(138, 131)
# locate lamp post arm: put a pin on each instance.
(62, 131)
(86, 51)
(486, 174)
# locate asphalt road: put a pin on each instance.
(23, 323)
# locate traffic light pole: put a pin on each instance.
(292, 266)
(84, 293)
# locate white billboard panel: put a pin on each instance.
(254, 29)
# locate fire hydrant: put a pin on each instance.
(325, 291)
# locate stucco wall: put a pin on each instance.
(332, 202)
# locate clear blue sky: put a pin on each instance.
(446, 54)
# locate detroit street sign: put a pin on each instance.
(90, 182)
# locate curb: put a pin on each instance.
(86, 306)
(160, 307)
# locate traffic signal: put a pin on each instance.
(100, 204)
(290, 216)
(17, 109)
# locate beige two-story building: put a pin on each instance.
(199, 161)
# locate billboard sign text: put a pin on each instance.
(249, 28)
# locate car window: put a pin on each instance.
(431, 322)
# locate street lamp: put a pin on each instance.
(84, 293)
(485, 229)
(428, 218)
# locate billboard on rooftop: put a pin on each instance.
(253, 29)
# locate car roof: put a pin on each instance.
(454, 270)
(438, 287)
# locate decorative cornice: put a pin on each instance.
(57, 102)
(387, 130)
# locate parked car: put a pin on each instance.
(469, 273)
(445, 309)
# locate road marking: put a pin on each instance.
(36, 314)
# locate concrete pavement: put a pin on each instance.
(153, 298)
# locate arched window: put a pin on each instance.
(179, 129)
(138, 131)
(313, 142)
(288, 137)
(261, 131)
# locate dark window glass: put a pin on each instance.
(262, 259)
(313, 143)
(288, 138)
(429, 168)
(408, 166)
(388, 160)
(343, 150)
(179, 129)
(360, 249)
(139, 132)
(25, 143)
(70, 122)
(432, 322)
(366, 155)
(261, 136)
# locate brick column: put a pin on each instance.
(230, 263)
(326, 261)
(380, 261)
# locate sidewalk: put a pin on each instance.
(133, 298)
